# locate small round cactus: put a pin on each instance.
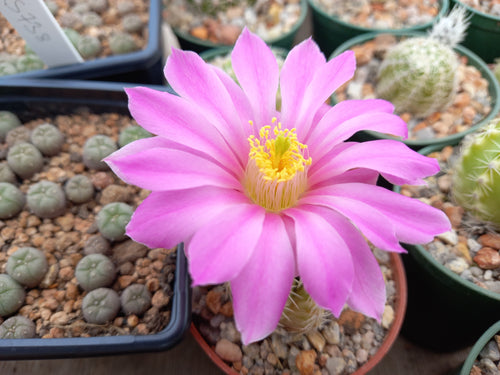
(12, 294)
(113, 219)
(91, 19)
(8, 121)
(100, 305)
(27, 266)
(476, 177)
(419, 75)
(17, 327)
(72, 35)
(29, 62)
(52, 5)
(6, 174)
(95, 271)
(301, 314)
(88, 46)
(132, 133)
(135, 299)
(98, 5)
(97, 148)
(121, 43)
(96, 245)
(7, 68)
(25, 159)
(17, 135)
(132, 23)
(11, 200)
(46, 199)
(48, 139)
(79, 189)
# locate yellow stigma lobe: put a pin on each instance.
(276, 173)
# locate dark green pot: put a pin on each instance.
(478, 346)
(473, 60)
(444, 312)
(286, 41)
(330, 32)
(483, 33)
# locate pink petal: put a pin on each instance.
(297, 72)
(373, 224)
(323, 259)
(196, 81)
(271, 270)
(176, 119)
(365, 176)
(161, 168)
(392, 159)
(165, 219)
(368, 289)
(413, 221)
(258, 74)
(219, 250)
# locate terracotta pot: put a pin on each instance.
(392, 334)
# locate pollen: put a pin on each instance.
(276, 173)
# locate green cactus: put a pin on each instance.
(6, 174)
(46, 199)
(211, 7)
(121, 43)
(29, 62)
(97, 148)
(113, 219)
(72, 35)
(476, 177)
(95, 271)
(17, 327)
(88, 46)
(11, 200)
(100, 305)
(7, 68)
(12, 295)
(17, 135)
(420, 75)
(132, 133)
(27, 266)
(301, 314)
(125, 6)
(8, 121)
(135, 299)
(98, 5)
(52, 5)
(48, 139)
(132, 23)
(91, 19)
(96, 245)
(79, 189)
(25, 159)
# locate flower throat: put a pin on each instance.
(276, 173)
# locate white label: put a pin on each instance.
(34, 22)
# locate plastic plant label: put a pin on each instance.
(34, 22)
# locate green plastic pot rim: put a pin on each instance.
(209, 45)
(477, 13)
(473, 60)
(360, 29)
(445, 274)
(478, 346)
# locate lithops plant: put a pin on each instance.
(29, 62)
(48, 139)
(135, 299)
(17, 327)
(100, 305)
(8, 121)
(6, 173)
(96, 244)
(121, 43)
(25, 159)
(79, 189)
(97, 148)
(476, 177)
(132, 133)
(419, 74)
(95, 271)
(89, 46)
(113, 219)
(12, 200)
(301, 314)
(46, 199)
(27, 266)
(12, 295)
(17, 135)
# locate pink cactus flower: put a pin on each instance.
(260, 196)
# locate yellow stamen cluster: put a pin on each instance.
(276, 173)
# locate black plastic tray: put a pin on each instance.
(32, 98)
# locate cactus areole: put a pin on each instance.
(476, 181)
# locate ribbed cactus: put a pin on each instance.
(419, 75)
(301, 314)
(476, 177)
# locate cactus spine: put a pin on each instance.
(419, 75)
(476, 178)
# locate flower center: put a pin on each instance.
(276, 173)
